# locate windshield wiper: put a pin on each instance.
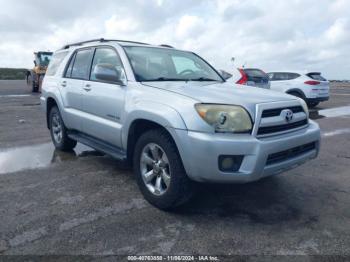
(163, 79)
(203, 79)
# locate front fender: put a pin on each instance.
(159, 113)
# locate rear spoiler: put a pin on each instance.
(313, 73)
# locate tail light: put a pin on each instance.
(312, 83)
(244, 78)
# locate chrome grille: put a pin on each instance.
(272, 119)
(277, 111)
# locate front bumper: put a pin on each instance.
(317, 99)
(200, 153)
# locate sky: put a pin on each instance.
(303, 35)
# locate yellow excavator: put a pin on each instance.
(36, 75)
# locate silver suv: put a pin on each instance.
(173, 117)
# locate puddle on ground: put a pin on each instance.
(331, 112)
(5, 96)
(36, 156)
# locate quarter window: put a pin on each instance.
(55, 63)
(69, 69)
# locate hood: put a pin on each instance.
(223, 93)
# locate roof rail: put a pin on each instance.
(164, 45)
(84, 42)
(100, 40)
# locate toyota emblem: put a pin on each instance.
(287, 114)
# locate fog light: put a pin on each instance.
(228, 163)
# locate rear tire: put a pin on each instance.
(174, 188)
(58, 131)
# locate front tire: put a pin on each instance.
(159, 171)
(58, 131)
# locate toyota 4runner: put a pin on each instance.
(172, 115)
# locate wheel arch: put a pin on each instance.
(146, 116)
(296, 90)
(50, 102)
(139, 127)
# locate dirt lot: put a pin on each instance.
(85, 203)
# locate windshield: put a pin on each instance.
(160, 64)
(44, 58)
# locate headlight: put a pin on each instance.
(225, 118)
(305, 107)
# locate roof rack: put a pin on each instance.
(101, 40)
(164, 45)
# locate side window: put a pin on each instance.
(70, 66)
(280, 76)
(277, 76)
(292, 76)
(82, 63)
(182, 63)
(55, 63)
(108, 57)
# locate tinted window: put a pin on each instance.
(106, 56)
(316, 76)
(256, 75)
(282, 76)
(55, 63)
(292, 76)
(82, 63)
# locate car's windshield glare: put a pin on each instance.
(161, 64)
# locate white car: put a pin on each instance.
(312, 87)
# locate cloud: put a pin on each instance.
(295, 34)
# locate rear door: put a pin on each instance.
(71, 86)
(103, 102)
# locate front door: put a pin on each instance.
(103, 102)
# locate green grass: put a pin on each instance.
(12, 73)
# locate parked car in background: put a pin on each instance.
(247, 76)
(253, 77)
(312, 86)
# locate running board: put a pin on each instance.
(99, 145)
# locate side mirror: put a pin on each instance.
(225, 75)
(108, 73)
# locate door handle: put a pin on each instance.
(64, 84)
(87, 87)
